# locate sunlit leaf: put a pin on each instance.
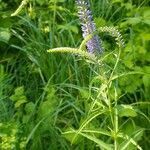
(4, 34)
(126, 111)
(100, 143)
(146, 80)
(20, 102)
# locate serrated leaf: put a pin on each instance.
(19, 98)
(19, 94)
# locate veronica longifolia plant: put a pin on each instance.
(88, 26)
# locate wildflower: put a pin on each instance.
(88, 26)
(115, 33)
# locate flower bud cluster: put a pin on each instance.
(115, 33)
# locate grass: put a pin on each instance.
(70, 99)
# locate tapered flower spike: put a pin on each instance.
(88, 26)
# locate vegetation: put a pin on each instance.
(54, 94)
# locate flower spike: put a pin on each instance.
(88, 26)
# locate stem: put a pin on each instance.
(115, 126)
(54, 22)
(112, 73)
(115, 121)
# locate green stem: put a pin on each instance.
(115, 116)
(115, 126)
(116, 64)
(54, 22)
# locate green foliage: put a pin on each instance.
(60, 101)
(126, 111)
(4, 34)
(19, 98)
(5, 88)
(48, 106)
(10, 138)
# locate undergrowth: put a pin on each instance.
(56, 95)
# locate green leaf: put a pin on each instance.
(146, 15)
(134, 21)
(68, 27)
(145, 36)
(146, 69)
(126, 111)
(131, 141)
(146, 80)
(73, 29)
(49, 105)
(29, 107)
(100, 143)
(69, 135)
(20, 102)
(19, 98)
(84, 93)
(19, 94)
(4, 34)
(146, 21)
(41, 2)
(26, 118)
(131, 21)
(146, 12)
(100, 22)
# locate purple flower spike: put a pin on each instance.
(88, 26)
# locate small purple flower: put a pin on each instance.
(88, 26)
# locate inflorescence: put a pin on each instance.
(88, 27)
(113, 31)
